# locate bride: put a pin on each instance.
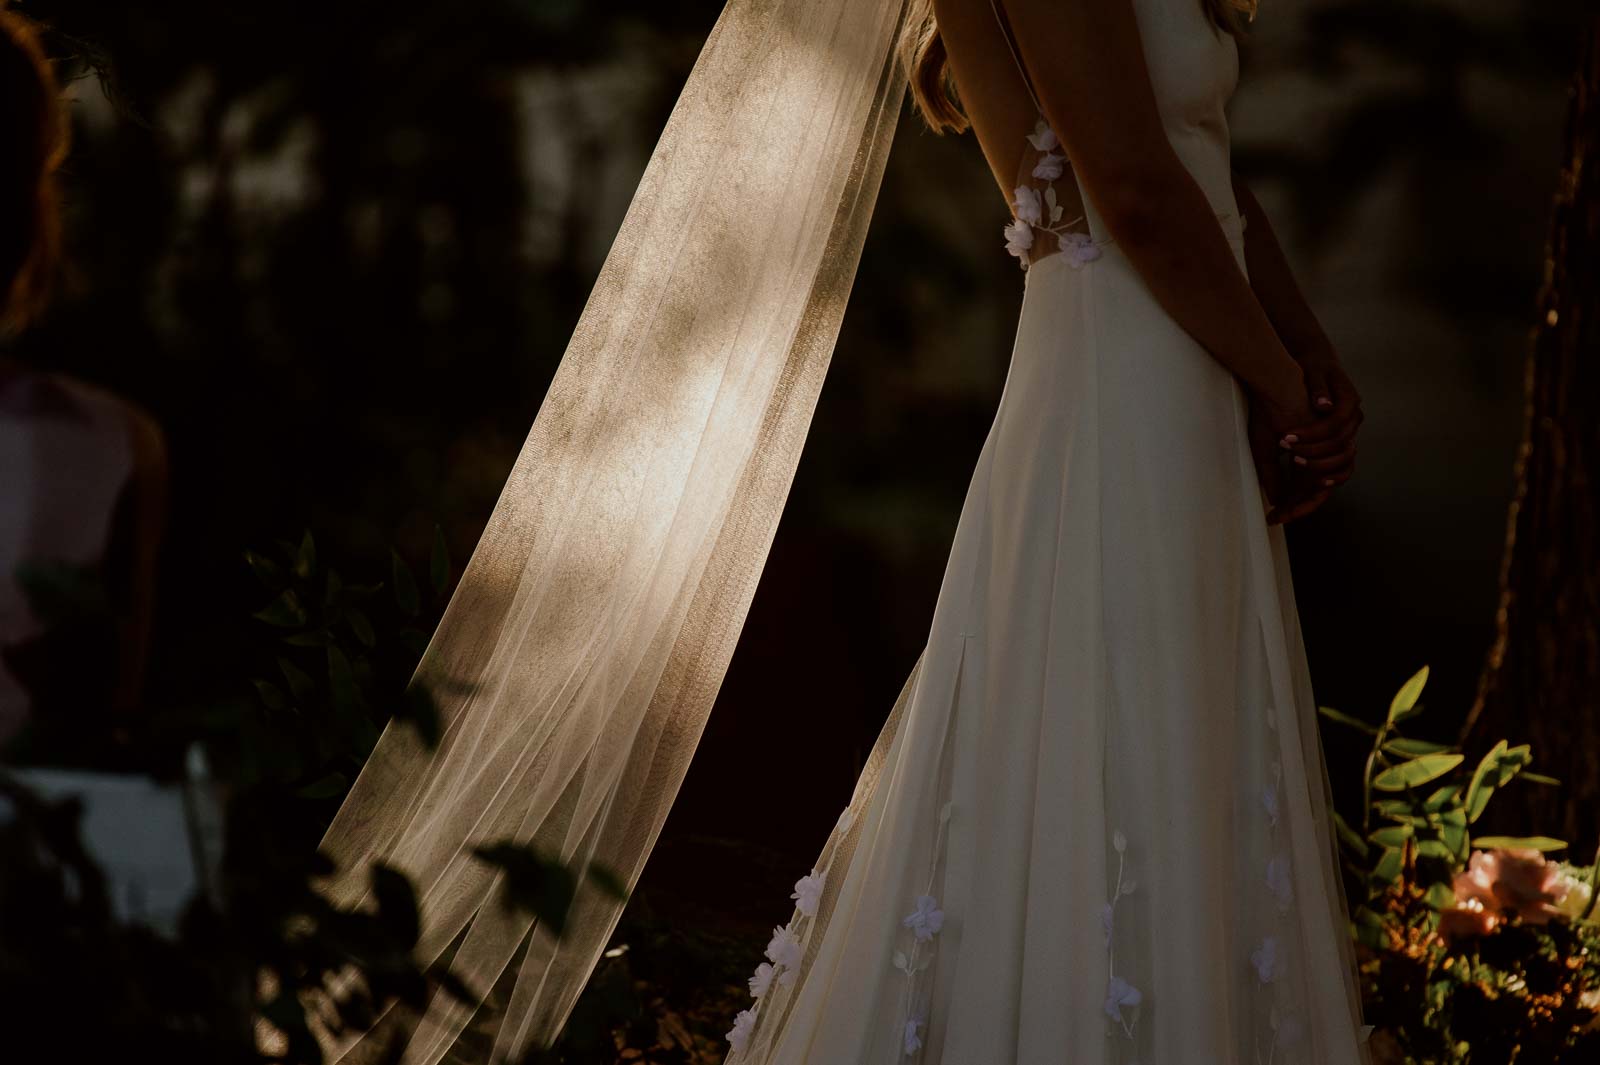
(1096, 826)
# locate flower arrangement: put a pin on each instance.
(1472, 948)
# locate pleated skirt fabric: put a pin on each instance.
(1100, 830)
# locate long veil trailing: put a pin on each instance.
(579, 658)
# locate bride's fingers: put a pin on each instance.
(1328, 430)
(1322, 449)
(1326, 457)
(1298, 509)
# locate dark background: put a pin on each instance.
(337, 250)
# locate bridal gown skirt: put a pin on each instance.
(1097, 828)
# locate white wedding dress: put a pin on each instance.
(1097, 826)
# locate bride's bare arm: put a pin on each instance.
(1088, 68)
(1330, 387)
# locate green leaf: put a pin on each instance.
(1405, 748)
(325, 787)
(285, 612)
(405, 586)
(313, 638)
(1440, 896)
(1415, 772)
(1351, 837)
(1455, 837)
(1387, 869)
(1512, 761)
(1532, 843)
(341, 680)
(1538, 778)
(1345, 719)
(1480, 789)
(416, 640)
(1434, 848)
(1392, 836)
(305, 559)
(439, 564)
(267, 571)
(362, 627)
(333, 587)
(272, 696)
(1441, 798)
(300, 682)
(1404, 704)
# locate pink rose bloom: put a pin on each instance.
(1517, 882)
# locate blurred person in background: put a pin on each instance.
(82, 471)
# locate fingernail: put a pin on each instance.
(1324, 401)
(1299, 460)
(1327, 482)
(1291, 439)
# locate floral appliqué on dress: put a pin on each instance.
(1038, 211)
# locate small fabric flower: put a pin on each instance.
(762, 980)
(1265, 959)
(1080, 248)
(807, 892)
(739, 1035)
(913, 1035)
(1050, 167)
(1019, 239)
(926, 920)
(1043, 137)
(1279, 884)
(1269, 800)
(784, 949)
(1107, 913)
(1120, 993)
(847, 817)
(1028, 205)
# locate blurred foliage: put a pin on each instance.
(267, 947)
(1444, 979)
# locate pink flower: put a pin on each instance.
(1464, 921)
(1519, 882)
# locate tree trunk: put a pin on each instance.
(1541, 682)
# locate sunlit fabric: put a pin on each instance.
(580, 656)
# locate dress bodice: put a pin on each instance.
(1194, 68)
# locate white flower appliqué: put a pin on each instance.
(1120, 993)
(739, 1035)
(1043, 137)
(1050, 167)
(926, 920)
(784, 952)
(913, 1035)
(1079, 248)
(1028, 204)
(1019, 239)
(761, 980)
(808, 892)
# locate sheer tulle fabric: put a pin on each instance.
(581, 653)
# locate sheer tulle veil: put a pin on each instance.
(578, 659)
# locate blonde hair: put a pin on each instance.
(933, 90)
(33, 142)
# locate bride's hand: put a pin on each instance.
(1291, 491)
(1324, 447)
